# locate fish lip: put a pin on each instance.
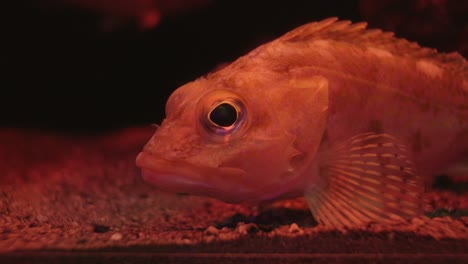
(180, 176)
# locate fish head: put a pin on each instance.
(243, 133)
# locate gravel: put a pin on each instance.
(69, 193)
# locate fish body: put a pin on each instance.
(351, 118)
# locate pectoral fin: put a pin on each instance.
(370, 178)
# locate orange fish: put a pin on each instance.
(350, 118)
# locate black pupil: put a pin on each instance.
(224, 115)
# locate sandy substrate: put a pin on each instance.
(81, 199)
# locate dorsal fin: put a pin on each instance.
(358, 34)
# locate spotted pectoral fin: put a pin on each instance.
(369, 178)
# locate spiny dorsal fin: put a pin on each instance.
(358, 34)
(370, 178)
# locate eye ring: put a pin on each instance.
(224, 115)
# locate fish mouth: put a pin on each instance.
(183, 177)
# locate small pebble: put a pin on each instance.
(211, 230)
(444, 219)
(464, 219)
(208, 239)
(224, 230)
(184, 241)
(244, 229)
(417, 221)
(116, 237)
(42, 218)
(227, 236)
(294, 228)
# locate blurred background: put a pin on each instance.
(96, 65)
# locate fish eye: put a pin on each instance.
(224, 115)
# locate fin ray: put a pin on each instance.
(373, 187)
(352, 213)
(357, 33)
(370, 177)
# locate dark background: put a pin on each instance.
(61, 71)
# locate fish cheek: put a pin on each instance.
(264, 165)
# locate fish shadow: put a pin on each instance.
(271, 219)
(443, 182)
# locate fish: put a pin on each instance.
(353, 119)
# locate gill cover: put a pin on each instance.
(278, 165)
(308, 95)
